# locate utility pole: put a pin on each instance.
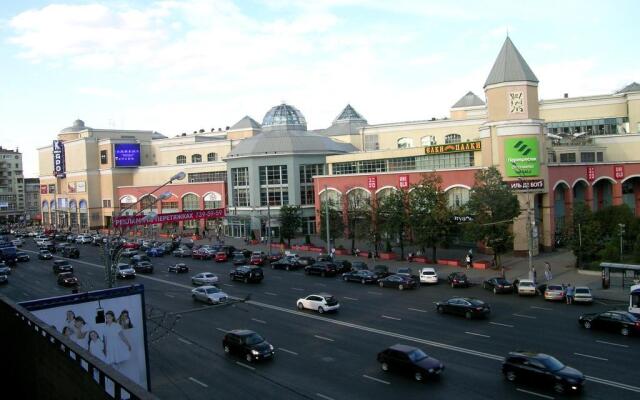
(326, 217)
(621, 239)
(268, 214)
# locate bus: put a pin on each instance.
(634, 300)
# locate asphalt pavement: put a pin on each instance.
(333, 356)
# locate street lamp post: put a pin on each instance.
(621, 238)
(326, 217)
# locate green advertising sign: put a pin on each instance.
(522, 157)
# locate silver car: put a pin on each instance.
(209, 294)
(204, 278)
(125, 271)
(582, 294)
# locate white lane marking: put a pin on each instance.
(258, 321)
(324, 338)
(320, 284)
(588, 356)
(222, 330)
(198, 382)
(376, 293)
(350, 298)
(612, 344)
(298, 289)
(477, 334)
(287, 351)
(542, 308)
(322, 396)
(271, 294)
(524, 316)
(227, 284)
(417, 309)
(184, 341)
(170, 295)
(614, 384)
(393, 318)
(376, 379)
(245, 365)
(544, 396)
(499, 324)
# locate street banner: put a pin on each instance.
(618, 171)
(372, 182)
(591, 174)
(59, 167)
(133, 220)
(403, 181)
(521, 156)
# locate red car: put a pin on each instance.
(221, 256)
(131, 245)
(257, 259)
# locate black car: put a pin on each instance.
(410, 361)
(67, 279)
(542, 370)
(45, 255)
(622, 322)
(399, 282)
(458, 279)
(466, 306)
(284, 263)
(144, 267)
(322, 268)
(246, 274)
(498, 285)
(305, 261)
(135, 259)
(363, 276)
(239, 259)
(358, 265)
(381, 271)
(21, 256)
(247, 344)
(48, 246)
(62, 266)
(342, 266)
(178, 268)
(70, 252)
(407, 271)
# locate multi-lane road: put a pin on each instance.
(333, 356)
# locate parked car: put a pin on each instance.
(138, 258)
(381, 271)
(67, 279)
(498, 285)
(554, 292)
(144, 267)
(257, 259)
(322, 302)
(306, 261)
(284, 263)
(622, 322)
(221, 256)
(182, 252)
(363, 276)
(526, 287)
(155, 252)
(247, 273)
(408, 272)
(247, 344)
(469, 307)
(542, 370)
(4, 269)
(458, 279)
(582, 294)
(239, 259)
(44, 255)
(342, 266)
(274, 257)
(84, 239)
(62, 266)
(125, 271)
(322, 268)
(128, 252)
(4, 278)
(178, 268)
(229, 250)
(209, 294)
(204, 278)
(70, 251)
(399, 282)
(202, 253)
(131, 245)
(410, 361)
(21, 256)
(47, 246)
(428, 275)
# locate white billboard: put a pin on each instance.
(109, 324)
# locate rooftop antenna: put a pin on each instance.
(507, 31)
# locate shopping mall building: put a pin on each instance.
(554, 153)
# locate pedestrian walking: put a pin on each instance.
(535, 275)
(570, 293)
(468, 261)
(547, 271)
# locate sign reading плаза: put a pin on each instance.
(522, 157)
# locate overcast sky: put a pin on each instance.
(178, 66)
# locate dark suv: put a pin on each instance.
(542, 370)
(248, 344)
(247, 273)
(322, 268)
(62, 266)
(411, 361)
(70, 252)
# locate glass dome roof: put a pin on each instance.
(284, 116)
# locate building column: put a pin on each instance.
(546, 233)
(616, 193)
(588, 197)
(636, 195)
(568, 206)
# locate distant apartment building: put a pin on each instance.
(32, 200)
(12, 197)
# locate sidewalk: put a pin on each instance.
(562, 266)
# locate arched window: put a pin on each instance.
(190, 202)
(181, 159)
(457, 197)
(169, 205)
(452, 138)
(358, 199)
(212, 157)
(333, 197)
(405, 143)
(126, 204)
(384, 193)
(84, 214)
(428, 140)
(212, 200)
(196, 158)
(45, 206)
(147, 203)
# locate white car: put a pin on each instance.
(526, 287)
(17, 242)
(209, 294)
(428, 275)
(204, 278)
(41, 240)
(321, 303)
(582, 294)
(84, 239)
(125, 271)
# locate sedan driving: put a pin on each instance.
(204, 278)
(399, 282)
(209, 294)
(469, 307)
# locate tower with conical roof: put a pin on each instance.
(513, 139)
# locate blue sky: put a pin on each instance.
(178, 66)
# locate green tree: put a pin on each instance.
(585, 240)
(336, 224)
(609, 220)
(493, 207)
(290, 222)
(429, 214)
(359, 216)
(611, 251)
(392, 218)
(636, 249)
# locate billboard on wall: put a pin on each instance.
(126, 154)
(522, 157)
(109, 324)
(125, 220)
(59, 167)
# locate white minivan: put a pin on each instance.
(428, 275)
